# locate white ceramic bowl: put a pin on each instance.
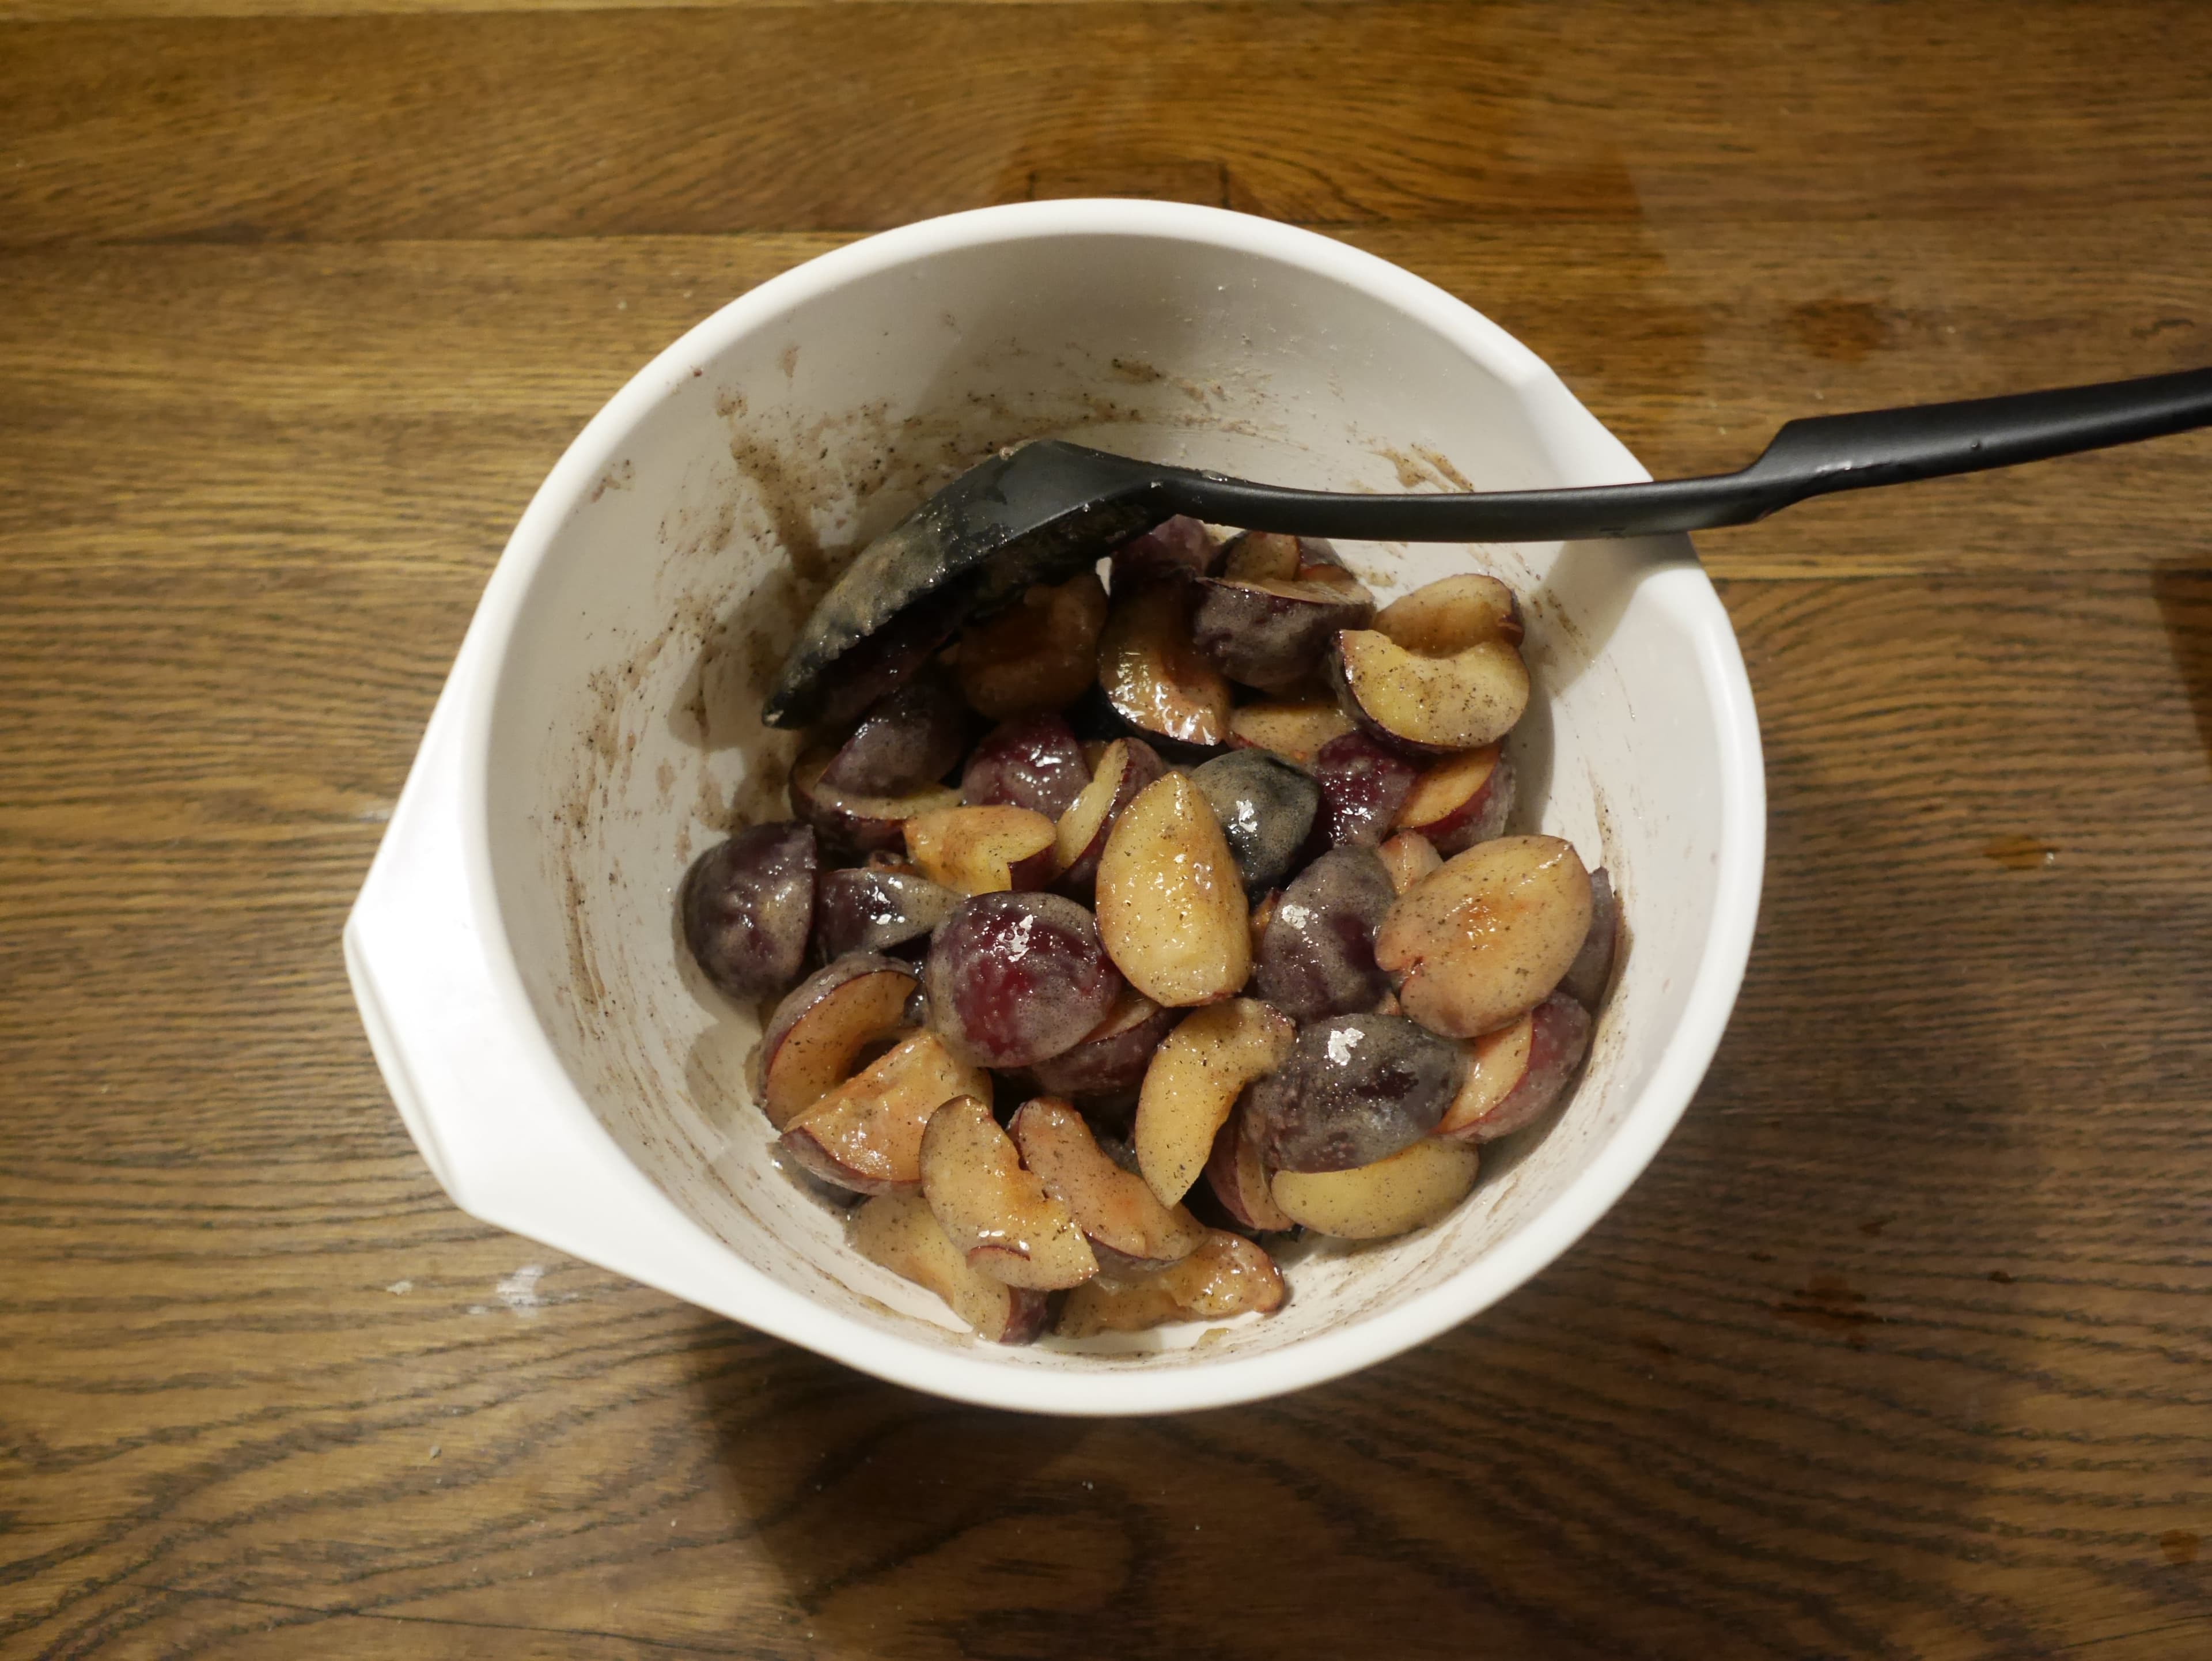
(564, 1071)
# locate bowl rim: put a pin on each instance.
(977, 1374)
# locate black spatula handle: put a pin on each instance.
(1808, 457)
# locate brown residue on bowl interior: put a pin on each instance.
(1418, 466)
(1444, 470)
(788, 501)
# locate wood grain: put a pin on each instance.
(858, 117)
(315, 389)
(77, 11)
(1901, 1349)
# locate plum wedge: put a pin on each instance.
(1226, 1275)
(1265, 805)
(1195, 1082)
(1439, 671)
(1460, 800)
(865, 1135)
(1409, 856)
(1590, 973)
(1364, 784)
(876, 908)
(1124, 768)
(1515, 1074)
(849, 821)
(982, 850)
(1110, 1059)
(1040, 654)
(1032, 761)
(899, 1231)
(1128, 1226)
(1239, 1176)
(904, 742)
(818, 1034)
(1270, 632)
(998, 1214)
(1411, 1189)
(1293, 729)
(1156, 679)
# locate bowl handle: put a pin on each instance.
(484, 1095)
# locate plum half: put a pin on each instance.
(747, 906)
(1485, 938)
(1265, 805)
(1354, 1089)
(1317, 958)
(1172, 906)
(1013, 979)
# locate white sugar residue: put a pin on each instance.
(519, 1291)
(1342, 1043)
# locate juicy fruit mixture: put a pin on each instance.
(1154, 919)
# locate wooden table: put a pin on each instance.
(1900, 1348)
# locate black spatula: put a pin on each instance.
(1046, 510)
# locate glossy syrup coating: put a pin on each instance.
(1363, 782)
(1032, 761)
(1013, 979)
